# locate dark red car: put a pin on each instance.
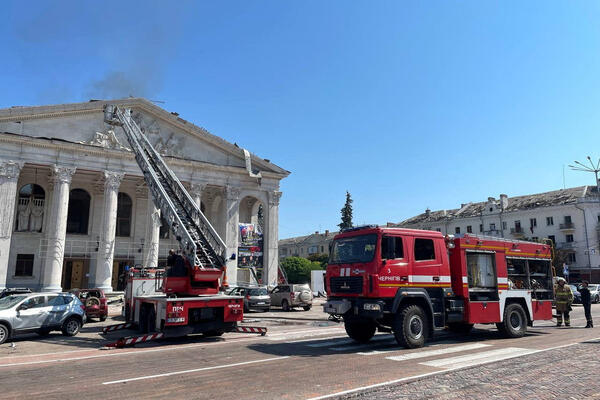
(94, 301)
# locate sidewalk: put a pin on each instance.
(566, 373)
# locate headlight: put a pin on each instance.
(372, 307)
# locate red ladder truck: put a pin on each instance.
(414, 282)
(190, 299)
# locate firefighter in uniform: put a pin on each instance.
(564, 299)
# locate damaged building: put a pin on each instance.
(569, 217)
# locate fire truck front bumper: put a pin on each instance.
(368, 308)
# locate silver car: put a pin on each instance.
(41, 313)
(289, 296)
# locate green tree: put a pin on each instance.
(346, 213)
(298, 269)
(321, 258)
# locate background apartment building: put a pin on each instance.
(569, 217)
(304, 246)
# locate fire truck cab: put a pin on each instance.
(414, 282)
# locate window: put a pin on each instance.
(553, 238)
(322, 249)
(391, 248)
(491, 209)
(353, 249)
(35, 302)
(30, 208)
(504, 225)
(313, 249)
(568, 219)
(570, 238)
(532, 222)
(480, 227)
(78, 214)
(598, 217)
(469, 229)
(571, 258)
(492, 227)
(438, 229)
(549, 221)
(54, 300)
(457, 229)
(481, 270)
(424, 249)
(124, 206)
(24, 265)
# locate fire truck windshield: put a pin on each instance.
(353, 249)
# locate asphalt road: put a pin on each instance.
(302, 357)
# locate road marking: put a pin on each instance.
(347, 341)
(478, 358)
(439, 352)
(315, 339)
(301, 334)
(189, 371)
(429, 374)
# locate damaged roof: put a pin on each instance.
(546, 199)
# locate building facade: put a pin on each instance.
(76, 210)
(304, 246)
(569, 217)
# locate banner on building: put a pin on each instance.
(250, 247)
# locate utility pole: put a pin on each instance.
(595, 168)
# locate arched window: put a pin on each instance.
(124, 206)
(30, 209)
(78, 215)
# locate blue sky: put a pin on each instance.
(405, 104)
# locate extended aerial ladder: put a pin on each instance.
(201, 246)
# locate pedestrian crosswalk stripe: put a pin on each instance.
(477, 358)
(438, 352)
(346, 341)
(363, 345)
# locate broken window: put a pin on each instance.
(457, 229)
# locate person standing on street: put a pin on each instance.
(586, 301)
(564, 299)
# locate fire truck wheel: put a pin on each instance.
(514, 323)
(460, 327)
(410, 326)
(360, 330)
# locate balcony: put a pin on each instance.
(567, 226)
(517, 231)
(566, 246)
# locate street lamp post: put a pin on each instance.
(595, 168)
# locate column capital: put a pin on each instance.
(274, 198)
(62, 174)
(196, 189)
(10, 170)
(232, 193)
(112, 180)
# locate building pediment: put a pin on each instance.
(172, 136)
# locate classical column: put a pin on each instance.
(9, 175)
(152, 234)
(232, 218)
(106, 251)
(56, 229)
(271, 258)
(196, 190)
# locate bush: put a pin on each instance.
(298, 269)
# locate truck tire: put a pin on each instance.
(360, 330)
(213, 333)
(411, 326)
(151, 317)
(4, 333)
(307, 308)
(460, 328)
(514, 324)
(285, 306)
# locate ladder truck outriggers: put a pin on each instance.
(414, 282)
(188, 300)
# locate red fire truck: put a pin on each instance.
(187, 298)
(414, 282)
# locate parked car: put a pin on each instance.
(576, 294)
(9, 291)
(41, 313)
(95, 302)
(594, 292)
(290, 296)
(255, 298)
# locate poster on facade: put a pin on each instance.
(250, 248)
